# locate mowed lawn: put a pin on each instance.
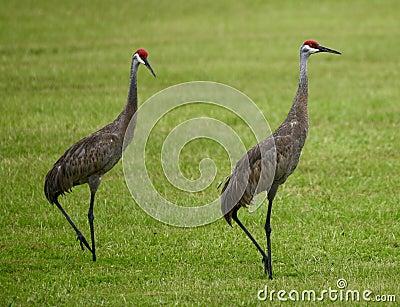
(65, 73)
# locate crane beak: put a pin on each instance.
(147, 64)
(324, 49)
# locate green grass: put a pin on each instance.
(64, 73)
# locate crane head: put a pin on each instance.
(141, 55)
(309, 47)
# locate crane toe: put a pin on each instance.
(82, 241)
(267, 267)
(265, 261)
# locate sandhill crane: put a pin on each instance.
(268, 164)
(89, 159)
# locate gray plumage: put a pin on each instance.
(90, 158)
(268, 164)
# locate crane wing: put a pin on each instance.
(95, 154)
(253, 174)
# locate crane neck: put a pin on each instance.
(132, 101)
(122, 121)
(299, 109)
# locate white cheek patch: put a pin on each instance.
(139, 59)
(310, 49)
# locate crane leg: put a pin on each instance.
(81, 238)
(91, 219)
(268, 235)
(265, 257)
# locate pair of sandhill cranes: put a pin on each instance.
(93, 156)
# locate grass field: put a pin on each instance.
(65, 72)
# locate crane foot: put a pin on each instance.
(267, 268)
(82, 241)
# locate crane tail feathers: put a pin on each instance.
(233, 197)
(56, 184)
